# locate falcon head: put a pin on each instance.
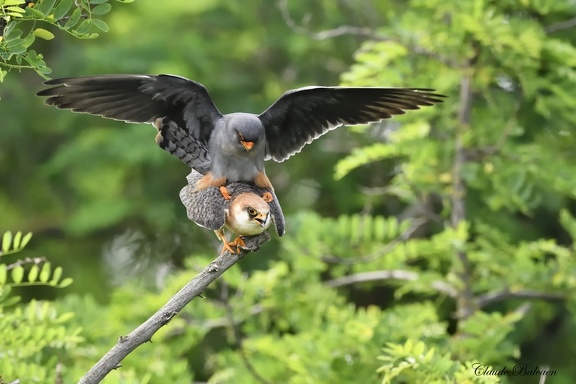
(243, 132)
(248, 215)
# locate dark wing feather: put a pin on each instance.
(177, 142)
(139, 99)
(302, 115)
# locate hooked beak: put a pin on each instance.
(262, 219)
(247, 144)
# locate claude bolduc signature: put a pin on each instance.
(516, 370)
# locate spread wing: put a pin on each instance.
(138, 99)
(302, 115)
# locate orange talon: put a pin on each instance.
(239, 242)
(228, 247)
(267, 196)
(224, 191)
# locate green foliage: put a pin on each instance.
(33, 334)
(40, 272)
(18, 31)
(382, 276)
(413, 362)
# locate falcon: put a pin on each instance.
(246, 213)
(230, 147)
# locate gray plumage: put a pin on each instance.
(230, 147)
(207, 207)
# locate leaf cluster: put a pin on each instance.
(32, 334)
(18, 28)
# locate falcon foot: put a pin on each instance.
(224, 191)
(228, 247)
(234, 246)
(267, 196)
(239, 242)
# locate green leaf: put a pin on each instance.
(45, 272)
(29, 40)
(66, 282)
(45, 6)
(64, 317)
(11, 300)
(33, 11)
(27, 236)
(100, 25)
(97, 1)
(9, 28)
(12, 2)
(3, 274)
(15, 9)
(56, 275)
(62, 9)
(101, 9)
(17, 50)
(14, 34)
(33, 273)
(17, 274)
(74, 18)
(17, 240)
(14, 43)
(84, 26)
(6, 241)
(43, 34)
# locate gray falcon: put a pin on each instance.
(245, 213)
(230, 147)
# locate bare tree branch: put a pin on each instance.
(566, 24)
(350, 30)
(146, 330)
(396, 274)
(327, 34)
(493, 297)
(27, 260)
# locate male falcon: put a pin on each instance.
(230, 147)
(245, 213)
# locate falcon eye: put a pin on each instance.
(252, 212)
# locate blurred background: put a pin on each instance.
(471, 202)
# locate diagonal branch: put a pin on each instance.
(146, 330)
